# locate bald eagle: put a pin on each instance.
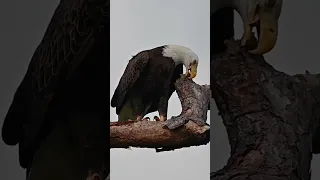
(262, 14)
(148, 81)
(58, 115)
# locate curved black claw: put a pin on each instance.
(156, 118)
(146, 119)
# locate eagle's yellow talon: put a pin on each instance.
(146, 119)
(162, 118)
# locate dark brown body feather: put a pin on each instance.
(66, 73)
(148, 76)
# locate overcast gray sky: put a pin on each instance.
(143, 24)
(297, 50)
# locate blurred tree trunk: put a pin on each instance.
(221, 27)
(269, 115)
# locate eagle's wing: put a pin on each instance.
(129, 77)
(71, 34)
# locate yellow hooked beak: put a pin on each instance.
(191, 71)
(268, 32)
(264, 17)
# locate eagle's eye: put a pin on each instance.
(194, 62)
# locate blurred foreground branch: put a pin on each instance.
(270, 117)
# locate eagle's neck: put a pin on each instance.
(179, 54)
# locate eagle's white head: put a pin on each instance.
(183, 55)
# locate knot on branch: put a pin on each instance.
(194, 99)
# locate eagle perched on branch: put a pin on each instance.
(59, 115)
(148, 81)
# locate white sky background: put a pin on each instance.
(144, 24)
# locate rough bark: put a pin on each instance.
(187, 129)
(269, 117)
(153, 134)
(195, 101)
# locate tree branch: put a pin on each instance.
(153, 134)
(187, 129)
(270, 117)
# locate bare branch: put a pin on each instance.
(152, 134)
(185, 130)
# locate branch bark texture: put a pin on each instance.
(185, 130)
(153, 134)
(269, 116)
(195, 100)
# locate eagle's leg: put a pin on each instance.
(138, 108)
(146, 107)
(127, 112)
(132, 111)
(163, 108)
(163, 118)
